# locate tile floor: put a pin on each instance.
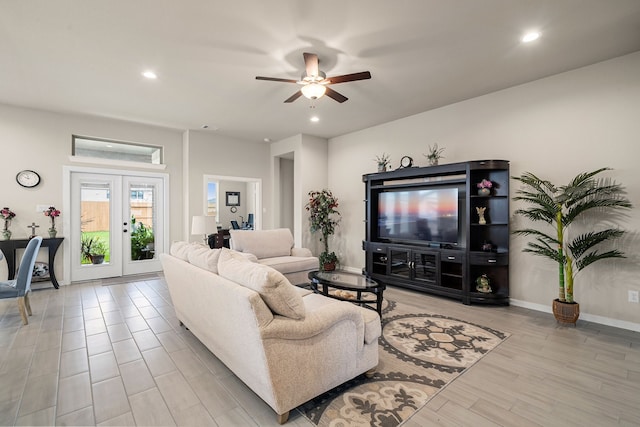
(112, 352)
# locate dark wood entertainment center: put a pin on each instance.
(435, 262)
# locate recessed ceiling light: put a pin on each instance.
(150, 75)
(315, 119)
(267, 140)
(529, 37)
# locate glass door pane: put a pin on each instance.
(95, 222)
(96, 238)
(143, 221)
(143, 231)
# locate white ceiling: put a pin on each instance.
(86, 57)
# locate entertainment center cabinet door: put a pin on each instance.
(425, 267)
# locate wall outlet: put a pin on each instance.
(633, 296)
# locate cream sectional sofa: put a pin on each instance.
(285, 343)
(275, 248)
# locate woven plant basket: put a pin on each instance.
(566, 312)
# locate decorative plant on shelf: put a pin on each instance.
(322, 218)
(52, 213)
(383, 162)
(561, 207)
(7, 215)
(434, 154)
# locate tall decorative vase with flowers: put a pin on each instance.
(52, 213)
(322, 208)
(484, 187)
(7, 215)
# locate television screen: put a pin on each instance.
(425, 214)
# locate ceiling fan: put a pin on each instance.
(315, 82)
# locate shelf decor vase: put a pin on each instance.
(52, 233)
(484, 192)
(6, 234)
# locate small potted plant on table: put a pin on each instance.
(560, 207)
(322, 217)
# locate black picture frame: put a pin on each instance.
(233, 198)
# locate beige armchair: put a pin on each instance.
(275, 248)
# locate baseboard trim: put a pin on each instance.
(622, 324)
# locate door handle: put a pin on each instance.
(124, 231)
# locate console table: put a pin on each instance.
(9, 247)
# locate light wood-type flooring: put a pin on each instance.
(111, 352)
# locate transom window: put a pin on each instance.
(116, 150)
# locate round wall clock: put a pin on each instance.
(233, 209)
(28, 178)
(406, 162)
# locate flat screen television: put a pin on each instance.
(419, 215)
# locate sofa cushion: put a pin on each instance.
(181, 249)
(276, 291)
(291, 264)
(263, 243)
(205, 258)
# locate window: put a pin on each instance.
(212, 199)
(115, 150)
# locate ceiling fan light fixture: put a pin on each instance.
(530, 36)
(313, 90)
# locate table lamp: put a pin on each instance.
(204, 225)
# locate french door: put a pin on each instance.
(117, 224)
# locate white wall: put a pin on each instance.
(285, 189)
(310, 155)
(41, 141)
(212, 154)
(556, 127)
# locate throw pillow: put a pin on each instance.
(205, 258)
(181, 249)
(276, 291)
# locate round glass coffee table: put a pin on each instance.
(322, 282)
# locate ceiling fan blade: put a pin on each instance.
(335, 95)
(293, 97)
(275, 79)
(364, 75)
(311, 63)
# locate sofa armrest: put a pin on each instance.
(315, 322)
(301, 252)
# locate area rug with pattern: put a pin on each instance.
(420, 353)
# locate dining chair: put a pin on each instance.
(21, 286)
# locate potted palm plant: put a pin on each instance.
(322, 218)
(560, 207)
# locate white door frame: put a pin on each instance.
(66, 204)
